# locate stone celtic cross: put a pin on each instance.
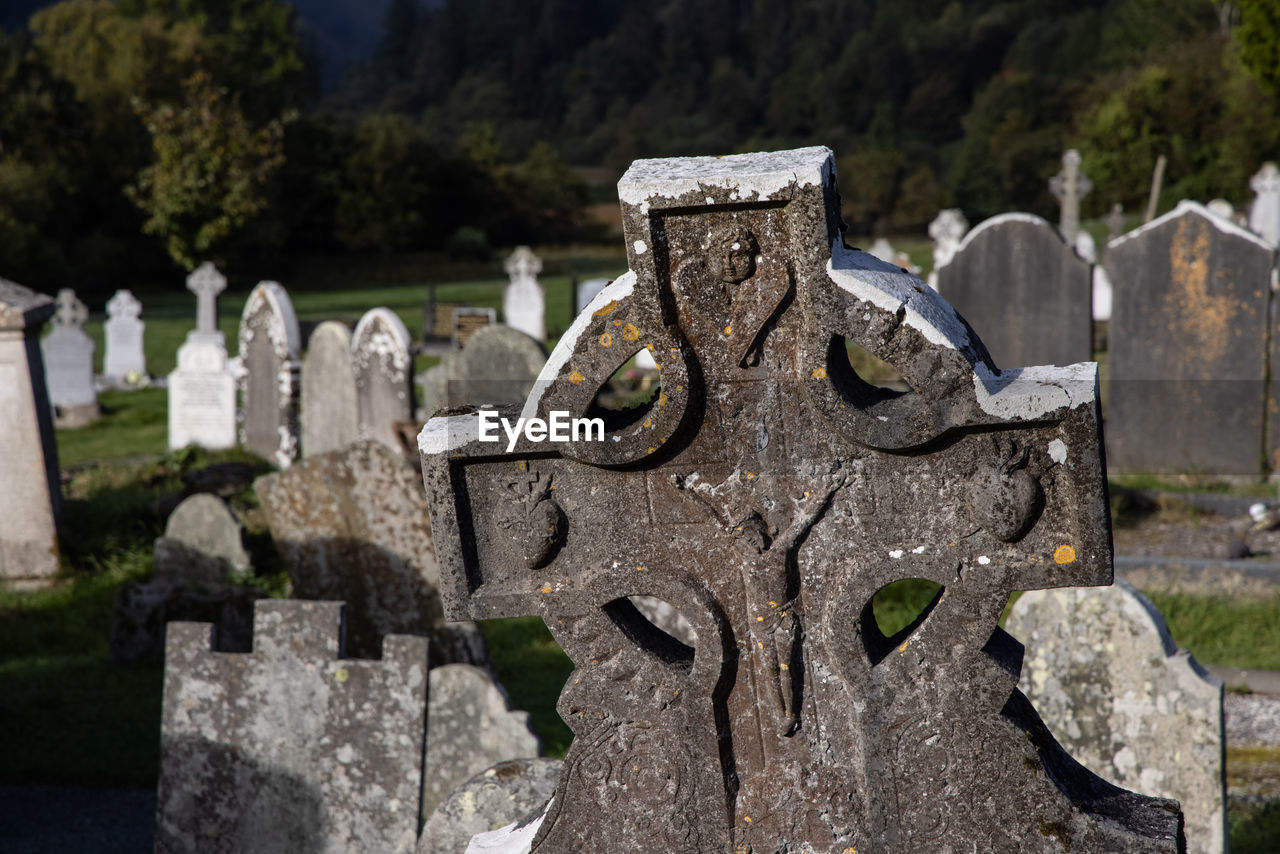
(523, 264)
(124, 305)
(206, 283)
(1115, 221)
(768, 492)
(1070, 186)
(71, 311)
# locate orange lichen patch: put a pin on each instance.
(662, 398)
(606, 340)
(617, 323)
(728, 330)
(575, 378)
(905, 644)
(651, 450)
(629, 332)
(1205, 318)
(522, 465)
(784, 666)
(610, 306)
(1064, 554)
(546, 588)
(648, 422)
(639, 569)
(819, 373)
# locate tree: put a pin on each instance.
(1259, 38)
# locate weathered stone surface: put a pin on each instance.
(142, 610)
(202, 392)
(497, 366)
(202, 543)
(292, 748)
(494, 798)
(123, 354)
(328, 391)
(770, 494)
(1024, 291)
(383, 375)
(268, 349)
(470, 726)
(524, 301)
(30, 486)
(352, 526)
(1116, 692)
(1188, 346)
(68, 363)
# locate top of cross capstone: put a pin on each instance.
(523, 264)
(124, 304)
(756, 176)
(1267, 179)
(206, 279)
(71, 311)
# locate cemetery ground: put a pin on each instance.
(84, 723)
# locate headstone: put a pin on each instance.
(293, 747)
(30, 486)
(351, 525)
(523, 299)
(1070, 186)
(328, 391)
(497, 367)
(1264, 212)
(202, 543)
(124, 356)
(1222, 208)
(68, 363)
(494, 798)
(469, 320)
(770, 494)
(1115, 221)
(947, 230)
(470, 726)
(1024, 291)
(881, 248)
(268, 349)
(1087, 249)
(202, 391)
(1188, 346)
(1116, 692)
(587, 292)
(383, 370)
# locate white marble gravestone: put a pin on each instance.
(1087, 249)
(883, 250)
(68, 363)
(524, 302)
(587, 292)
(383, 370)
(202, 391)
(269, 346)
(124, 355)
(1106, 677)
(328, 391)
(947, 230)
(1264, 213)
(30, 491)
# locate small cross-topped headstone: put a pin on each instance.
(1264, 213)
(1070, 186)
(71, 311)
(68, 362)
(523, 300)
(206, 283)
(124, 356)
(1115, 221)
(776, 493)
(202, 391)
(947, 230)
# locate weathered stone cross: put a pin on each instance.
(1070, 186)
(71, 311)
(523, 264)
(1115, 221)
(768, 492)
(206, 283)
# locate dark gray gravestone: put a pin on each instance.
(770, 493)
(351, 525)
(1023, 290)
(269, 344)
(291, 748)
(1188, 346)
(202, 543)
(497, 366)
(328, 391)
(383, 371)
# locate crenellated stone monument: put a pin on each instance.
(771, 493)
(202, 391)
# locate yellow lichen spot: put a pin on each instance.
(760, 644)
(662, 440)
(905, 644)
(639, 569)
(651, 450)
(806, 495)
(728, 330)
(617, 323)
(610, 306)
(657, 366)
(546, 588)
(679, 388)
(747, 819)
(606, 340)
(751, 475)
(850, 850)
(522, 465)
(341, 674)
(759, 619)
(819, 373)
(1064, 554)
(630, 333)
(784, 667)
(1034, 559)
(675, 693)
(576, 378)
(648, 422)
(662, 398)
(674, 350)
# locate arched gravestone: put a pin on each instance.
(771, 493)
(383, 371)
(268, 346)
(1188, 346)
(328, 391)
(1024, 290)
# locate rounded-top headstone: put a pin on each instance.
(201, 543)
(328, 391)
(383, 366)
(269, 341)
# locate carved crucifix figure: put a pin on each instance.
(768, 492)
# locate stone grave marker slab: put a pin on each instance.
(268, 349)
(383, 370)
(497, 366)
(524, 301)
(202, 391)
(123, 355)
(470, 726)
(202, 543)
(328, 391)
(1188, 346)
(352, 526)
(30, 485)
(771, 493)
(494, 798)
(68, 363)
(1024, 291)
(1114, 689)
(293, 747)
